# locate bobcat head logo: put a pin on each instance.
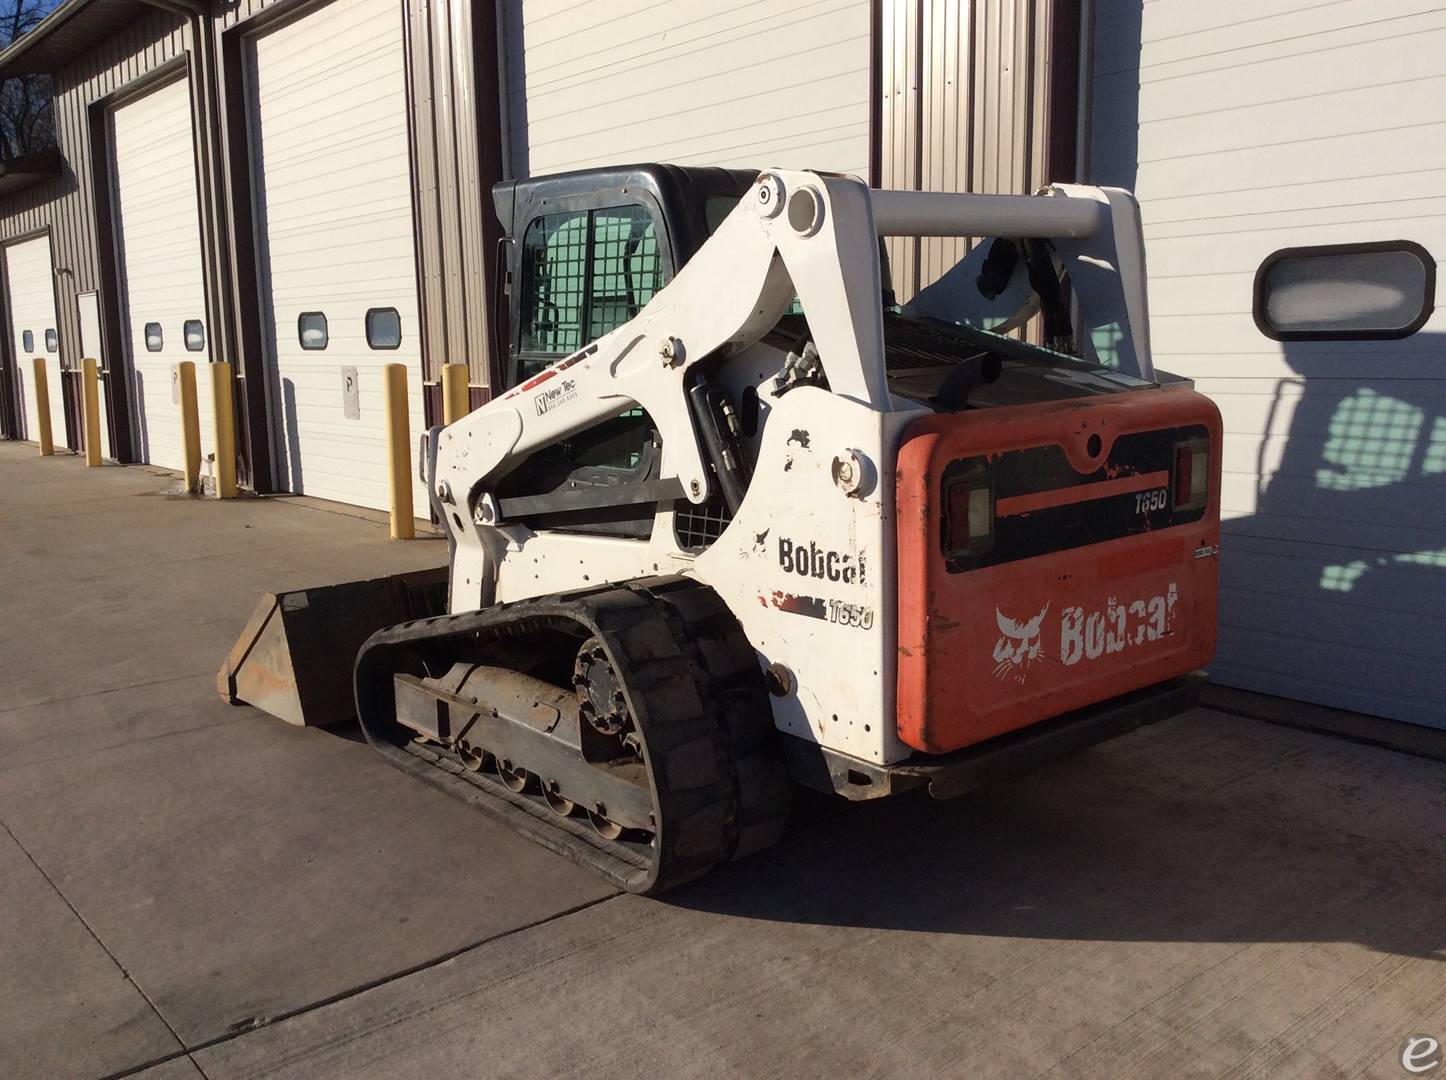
(1018, 645)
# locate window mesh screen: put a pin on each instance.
(554, 260)
(625, 268)
(573, 290)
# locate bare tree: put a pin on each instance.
(26, 122)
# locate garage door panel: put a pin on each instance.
(162, 280)
(591, 85)
(1335, 623)
(1366, 675)
(31, 277)
(334, 180)
(1243, 137)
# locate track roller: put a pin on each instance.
(558, 803)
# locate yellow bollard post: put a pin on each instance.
(456, 401)
(42, 408)
(190, 425)
(224, 411)
(90, 402)
(399, 452)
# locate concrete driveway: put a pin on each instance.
(190, 889)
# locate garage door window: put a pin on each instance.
(585, 273)
(27, 341)
(195, 334)
(52, 342)
(154, 341)
(1346, 292)
(384, 328)
(311, 330)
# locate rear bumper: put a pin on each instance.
(950, 775)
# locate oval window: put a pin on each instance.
(195, 334)
(311, 330)
(1345, 292)
(384, 328)
(154, 340)
(27, 341)
(52, 341)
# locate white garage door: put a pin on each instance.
(691, 82)
(162, 288)
(32, 320)
(338, 279)
(1249, 129)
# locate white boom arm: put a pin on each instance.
(793, 232)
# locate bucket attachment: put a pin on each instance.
(294, 659)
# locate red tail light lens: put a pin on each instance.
(1192, 475)
(1184, 459)
(968, 515)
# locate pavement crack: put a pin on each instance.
(103, 947)
(142, 684)
(261, 1023)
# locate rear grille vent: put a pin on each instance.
(909, 346)
(696, 527)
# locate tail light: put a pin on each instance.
(968, 514)
(1191, 488)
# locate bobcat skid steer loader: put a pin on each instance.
(739, 520)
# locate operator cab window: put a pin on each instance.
(584, 273)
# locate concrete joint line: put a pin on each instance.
(97, 693)
(96, 937)
(342, 995)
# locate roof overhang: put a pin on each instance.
(73, 29)
(28, 170)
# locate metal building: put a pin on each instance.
(301, 187)
(1290, 164)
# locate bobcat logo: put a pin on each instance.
(1018, 645)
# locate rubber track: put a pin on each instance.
(720, 789)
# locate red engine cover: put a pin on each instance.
(1092, 585)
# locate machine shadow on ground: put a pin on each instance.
(1265, 843)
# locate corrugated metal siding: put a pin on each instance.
(965, 105)
(730, 82)
(1250, 127)
(65, 204)
(454, 93)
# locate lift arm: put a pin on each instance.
(793, 233)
